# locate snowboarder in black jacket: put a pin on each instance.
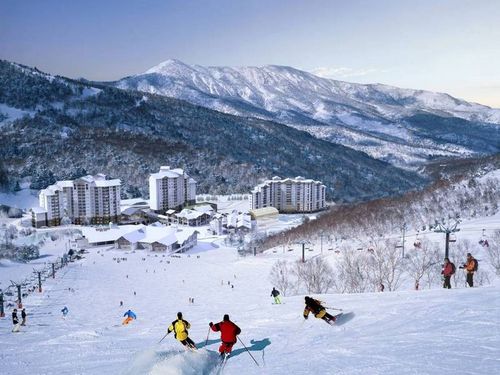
(314, 306)
(276, 294)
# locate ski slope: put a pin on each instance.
(405, 332)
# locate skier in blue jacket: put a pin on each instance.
(129, 317)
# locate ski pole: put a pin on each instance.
(332, 308)
(163, 337)
(208, 334)
(248, 351)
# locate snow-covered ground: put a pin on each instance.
(404, 332)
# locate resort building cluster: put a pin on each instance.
(165, 222)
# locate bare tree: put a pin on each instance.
(352, 274)
(281, 276)
(421, 260)
(315, 275)
(385, 264)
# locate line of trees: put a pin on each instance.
(359, 271)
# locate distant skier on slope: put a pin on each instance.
(180, 328)
(65, 312)
(447, 272)
(314, 306)
(129, 317)
(229, 332)
(276, 294)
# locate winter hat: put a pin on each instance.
(179, 315)
(469, 254)
(226, 317)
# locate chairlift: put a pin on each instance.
(483, 241)
(453, 238)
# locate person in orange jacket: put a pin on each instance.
(471, 267)
(228, 332)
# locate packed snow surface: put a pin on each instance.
(405, 332)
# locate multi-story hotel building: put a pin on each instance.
(96, 200)
(86, 200)
(171, 189)
(289, 195)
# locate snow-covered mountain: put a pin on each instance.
(95, 128)
(403, 126)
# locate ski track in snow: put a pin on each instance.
(405, 332)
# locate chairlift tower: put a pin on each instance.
(447, 228)
(303, 243)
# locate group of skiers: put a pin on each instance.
(15, 319)
(470, 267)
(229, 332)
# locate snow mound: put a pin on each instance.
(174, 362)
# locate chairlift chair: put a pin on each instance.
(453, 238)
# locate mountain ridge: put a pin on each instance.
(68, 128)
(356, 115)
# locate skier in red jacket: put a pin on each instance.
(228, 332)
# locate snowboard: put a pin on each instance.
(342, 318)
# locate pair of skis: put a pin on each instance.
(220, 367)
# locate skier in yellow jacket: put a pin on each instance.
(180, 328)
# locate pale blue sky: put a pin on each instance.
(443, 45)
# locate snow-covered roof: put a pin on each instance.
(165, 171)
(135, 236)
(50, 190)
(276, 179)
(190, 214)
(265, 211)
(131, 210)
(39, 210)
(107, 183)
(183, 235)
(95, 235)
(64, 183)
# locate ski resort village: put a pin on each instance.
(96, 282)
